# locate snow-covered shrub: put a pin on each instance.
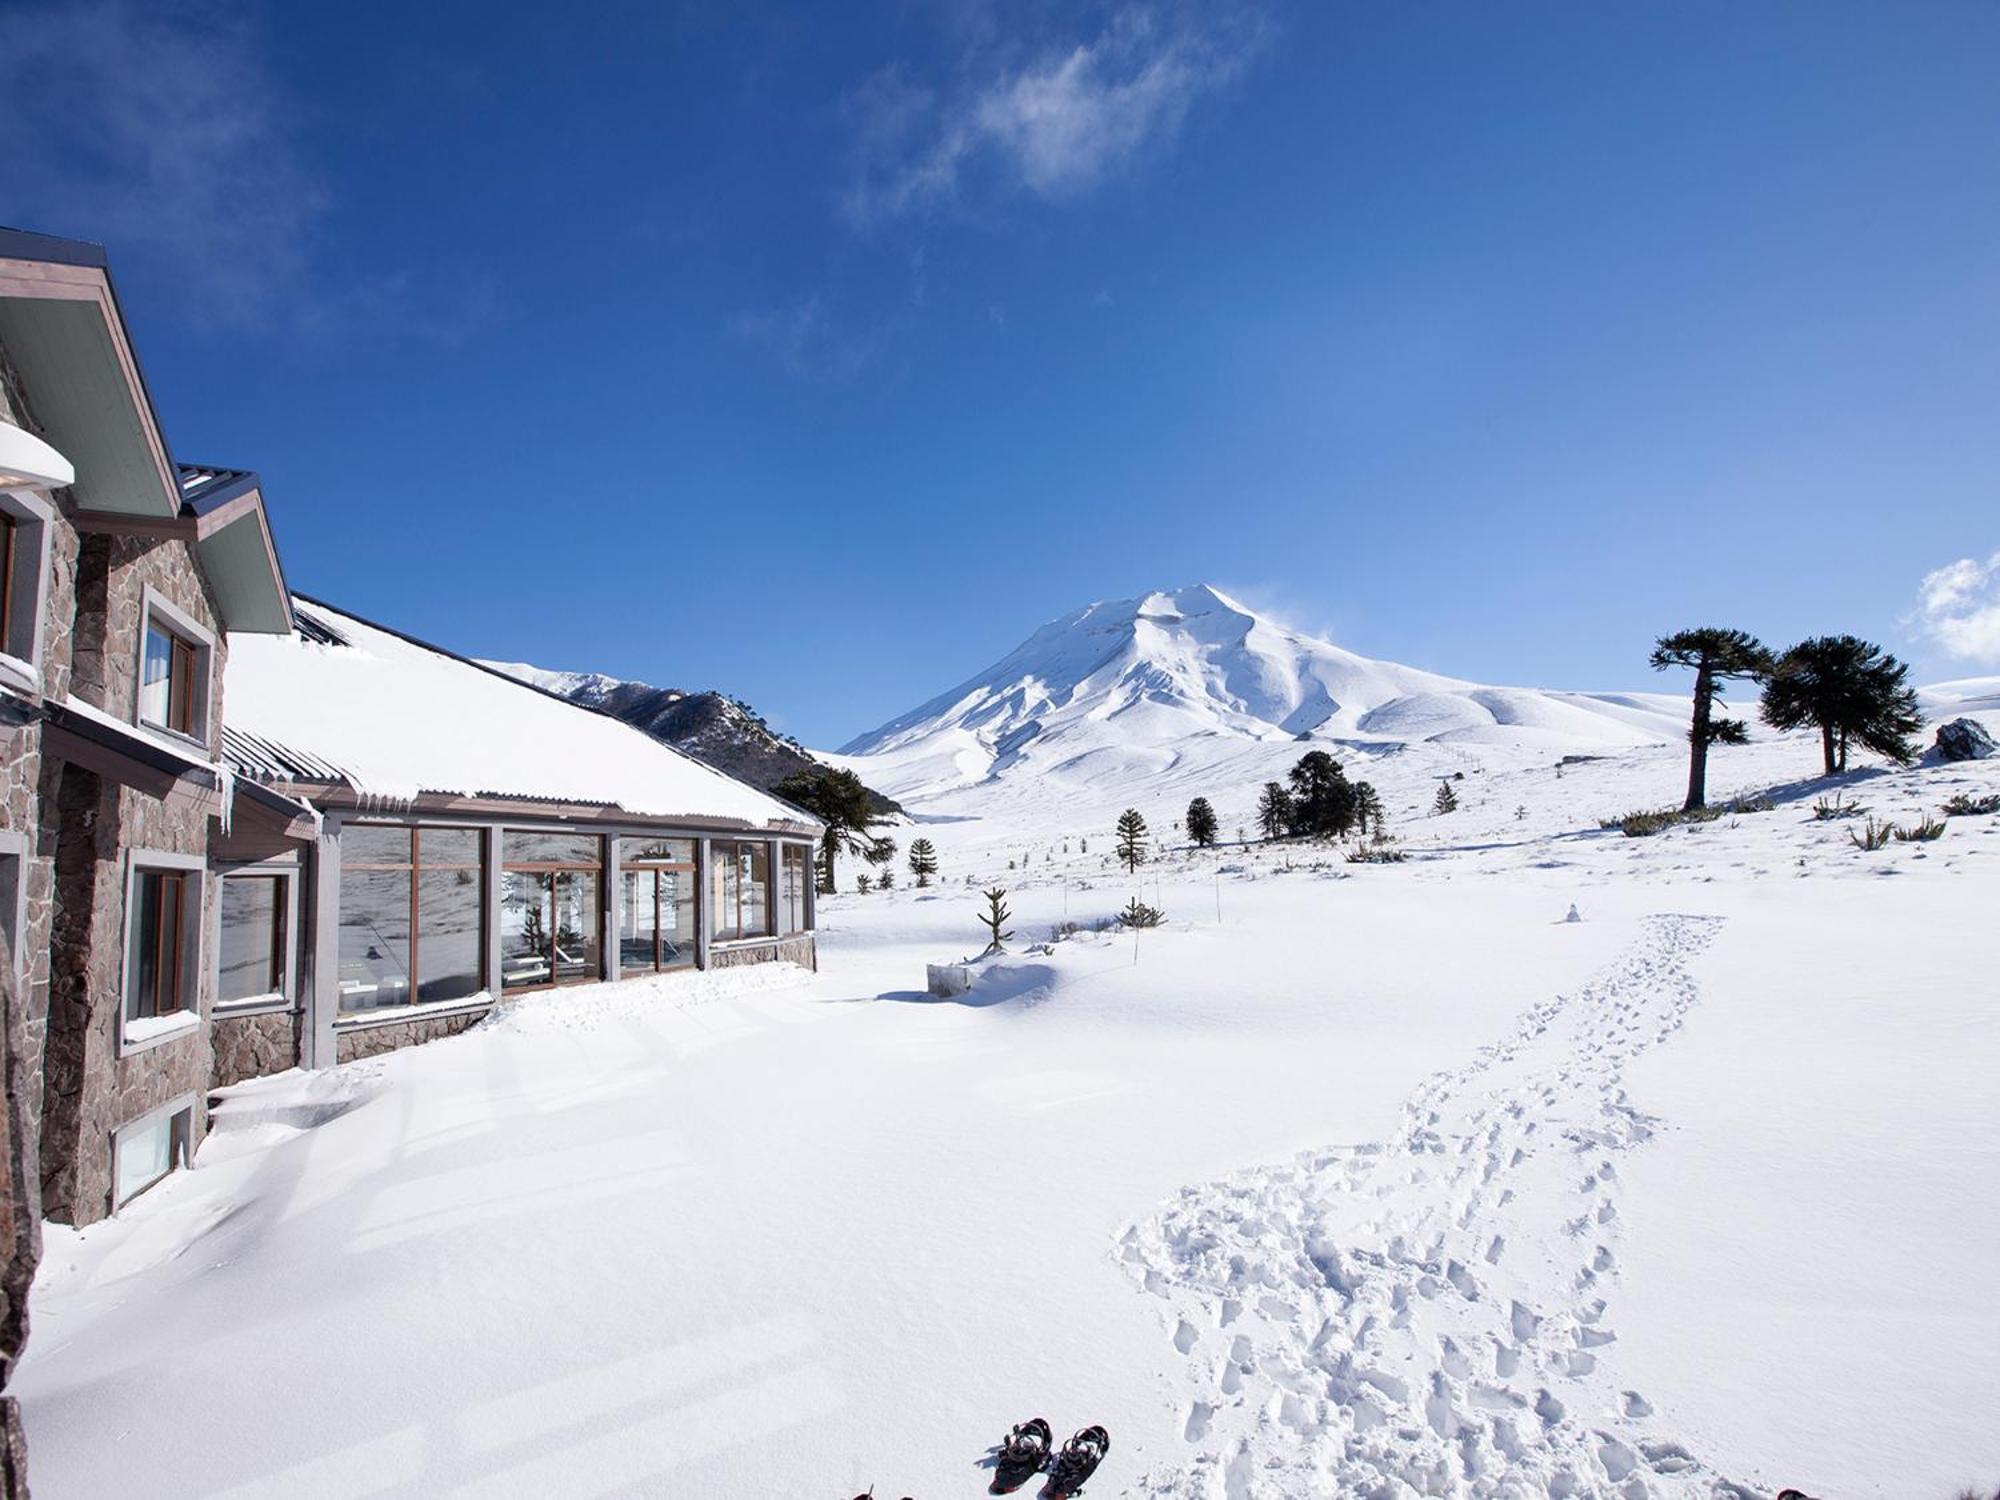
(1920, 833)
(1838, 805)
(1964, 805)
(1872, 835)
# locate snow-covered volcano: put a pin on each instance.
(1138, 680)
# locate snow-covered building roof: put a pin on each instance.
(342, 702)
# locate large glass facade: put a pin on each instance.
(549, 909)
(251, 950)
(656, 905)
(412, 916)
(740, 890)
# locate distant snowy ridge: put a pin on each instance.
(710, 726)
(1134, 682)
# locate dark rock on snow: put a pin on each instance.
(1964, 739)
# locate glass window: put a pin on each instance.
(576, 930)
(167, 682)
(451, 933)
(374, 936)
(412, 915)
(797, 873)
(741, 887)
(656, 918)
(524, 929)
(550, 908)
(656, 904)
(366, 844)
(147, 1152)
(12, 543)
(157, 942)
(554, 848)
(251, 959)
(656, 851)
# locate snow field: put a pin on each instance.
(1697, 1192)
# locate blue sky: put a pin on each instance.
(820, 353)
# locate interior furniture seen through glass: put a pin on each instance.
(549, 907)
(656, 905)
(412, 915)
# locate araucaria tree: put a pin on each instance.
(1274, 811)
(1367, 809)
(1716, 656)
(996, 916)
(923, 861)
(840, 801)
(1322, 796)
(1447, 800)
(1131, 840)
(1201, 823)
(1851, 689)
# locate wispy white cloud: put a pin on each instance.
(1958, 607)
(157, 130)
(807, 341)
(1055, 122)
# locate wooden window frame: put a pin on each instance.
(735, 848)
(282, 881)
(176, 993)
(656, 868)
(190, 669)
(560, 867)
(415, 868)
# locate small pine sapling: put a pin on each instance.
(863, 884)
(923, 861)
(1138, 914)
(996, 917)
(1447, 800)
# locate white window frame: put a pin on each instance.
(21, 658)
(285, 997)
(178, 621)
(193, 958)
(175, 1106)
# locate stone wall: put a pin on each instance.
(113, 574)
(354, 1043)
(799, 948)
(253, 1046)
(88, 1089)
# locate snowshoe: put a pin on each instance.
(1021, 1456)
(1077, 1462)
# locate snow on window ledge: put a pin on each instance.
(16, 673)
(151, 1031)
(251, 1005)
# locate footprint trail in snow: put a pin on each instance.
(1437, 1313)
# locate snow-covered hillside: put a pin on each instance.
(1138, 685)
